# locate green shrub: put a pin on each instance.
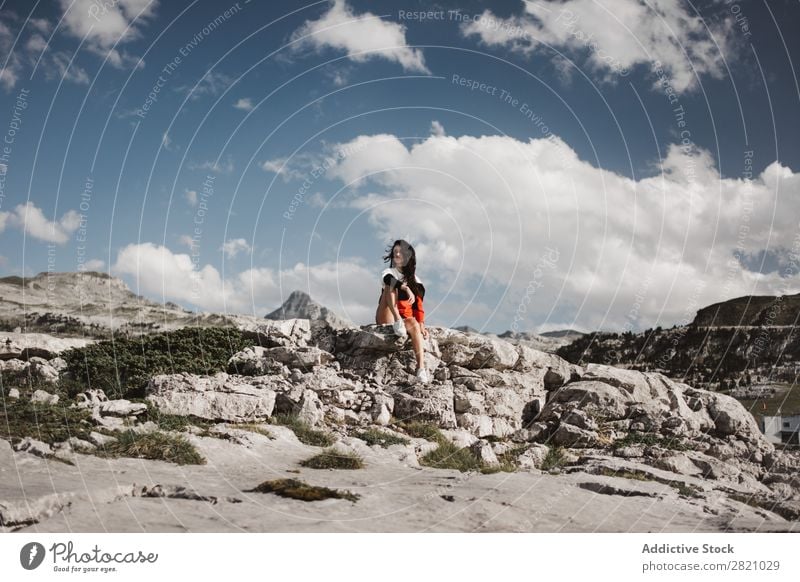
(49, 423)
(373, 436)
(158, 446)
(171, 422)
(296, 489)
(122, 367)
(449, 456)
(333, 459)
(555, 458)
(304, 433)
(423, 430)
(649, 439)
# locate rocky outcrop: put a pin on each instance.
(507, 403)
(491, 389)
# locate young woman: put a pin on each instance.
(401, 298)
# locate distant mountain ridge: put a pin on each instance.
(300, 305)
(732, 344)
(750, 310)
(93, 304)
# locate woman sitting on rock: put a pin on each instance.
(401, 301)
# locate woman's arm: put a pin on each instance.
(407, 289)
(419, 315)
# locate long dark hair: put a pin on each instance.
(410, 268)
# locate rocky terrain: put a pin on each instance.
(713, 357)
(94, 305)
(317, 428)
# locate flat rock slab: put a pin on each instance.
(135, 495)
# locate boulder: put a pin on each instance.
(431, 403)
(42, 397)
(218, 397)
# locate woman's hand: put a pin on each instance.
(407, 289)
(424, 330)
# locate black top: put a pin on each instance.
(401, 293)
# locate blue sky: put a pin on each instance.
(587, 164)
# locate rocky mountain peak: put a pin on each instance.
(300, 305)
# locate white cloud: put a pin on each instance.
(173, 276)
(32, 51)
(29, 218)
(186, 240)
(615, 36)
(94, 264)
(191, 197)
(218, 166)
(245, 104)
(234, 246)
(105, 24)
(9, 74)
(481, 212)
(41, 24)
(212, 83)
(283, 168)
(437, 128)
(166, 142)
(362, 36)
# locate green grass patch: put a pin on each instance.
(682, 488)
(304, 433)
(555, 459)
(171, 422)
(49, 423)
(649, 439)
(122, 367)
(423, 430)
(159, 446)
(508, 460)
(254, 427)
(296, 489)
(449, 456)
(373, 436)
(333, 459)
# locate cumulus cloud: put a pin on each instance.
(587, 246)
(615, 37)
(437, 128)
(35, 51)
(29, 218)
(174, 276)
(283, 168)
(245, 104)
(364, 36)
(107, 25)
(234, 246)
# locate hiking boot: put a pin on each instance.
(422, 376)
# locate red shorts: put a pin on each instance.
(405, 308)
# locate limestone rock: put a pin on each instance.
(219, 397)
(34, 447)
(42, 397)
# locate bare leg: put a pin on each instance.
(387, 308)
(415, 332)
